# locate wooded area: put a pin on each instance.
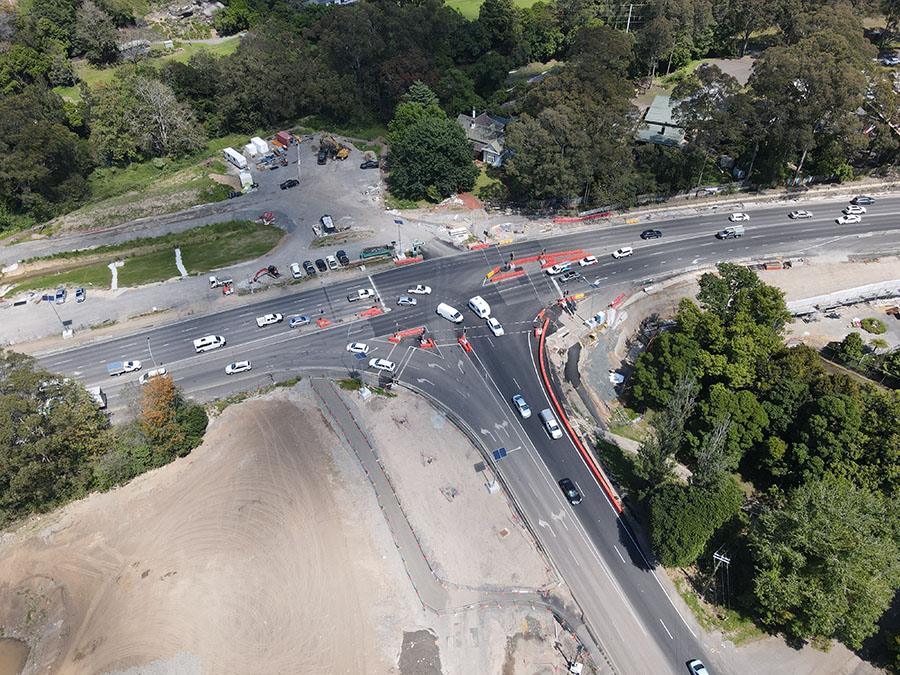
(817, 104)
(795, 472)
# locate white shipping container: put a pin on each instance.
(250, 149)
(246, 179)
(235, 158)
(261, 146)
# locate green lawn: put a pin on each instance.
(350, 129)
(253, 242)
(469, 8)
(97, 275)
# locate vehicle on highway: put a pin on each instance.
(651, 234)
(295, 270)
(238, 367)
(588, 260)
(406, 301)
(332, 262)
(731, 232)
(419, 289)
(862, 199)
(738, 217)
(846, 220)
(521, 407)
(558, 268)
(208, 343)
(568, 276)
(150, 374)
(570, 491)
(854, 210)
(800, 215)
(361, 294)
(269, 319)
(448, 313)
(79, 294)
(299, 321)
(289, 183)
(623, 252)
(480, 307)
(550, 424)
(697, 668)
(358, 348)
(495, 326)
(320, 265)
(382, 364)
(369, 164)
(60, 296)
(308, 267)
(342, 257)
(120, 367)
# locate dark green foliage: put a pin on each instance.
(875, 326)
(851, 348)
(684, 517)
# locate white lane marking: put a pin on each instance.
(617, 551)
(666, 629)
(377, 294)
(516, 383)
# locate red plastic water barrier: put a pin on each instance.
(396, 337)
(464, 343)
(559, 411)
(521, 261)
(508, 275)
(404, 261)
(492, 273)
(374, 311)
(617, 300)
(576, 251)
(323, 322)
(427, 344)
(473, 247)
(556, 261)
(593, 216)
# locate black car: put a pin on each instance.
(651, 234)
(321, 265)
(862, 200)
(568, 276)
(570, 491)
(369, 164)
(234, 193)
(291, 182)
(323, 156)
(342, 257)
(308, 267)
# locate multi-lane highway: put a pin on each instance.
(623, 600)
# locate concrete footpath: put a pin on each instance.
(438, 595)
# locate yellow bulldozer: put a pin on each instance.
(335, 150)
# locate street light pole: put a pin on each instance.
(151, 352)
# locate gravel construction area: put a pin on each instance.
(265, 551)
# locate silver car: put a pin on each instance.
(521, 406)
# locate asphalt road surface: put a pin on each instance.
(623, 601)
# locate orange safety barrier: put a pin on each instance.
(593, 216)
(508, 275)
(464, 343)
(473, 247)
(374, 311)
(321, 323)
(404, 261)
(559, 411)
(492, 272)
(427, 344)
(617, 300)
(396, 337)
(540, 315)
(522, 261)
(574, 251)
(556, 261)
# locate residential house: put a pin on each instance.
(659, 126)
(486, 134)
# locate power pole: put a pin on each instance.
(628, 23)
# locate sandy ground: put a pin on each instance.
(430, 461)
(264, 551)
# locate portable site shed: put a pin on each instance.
(250, 149)
(261, 146)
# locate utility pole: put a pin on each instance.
(628, 23)
(151, 352)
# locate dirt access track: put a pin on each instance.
(264, 551)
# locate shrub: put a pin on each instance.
(875, 326)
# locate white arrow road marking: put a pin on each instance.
(435, 365)
(487, 432)
(420, 380)
(544, 523)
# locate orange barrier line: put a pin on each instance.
(475, 247)
(556, 261)
(508, 275)
(574, 251)
(406, 261)
(559, 411)
(521, 261)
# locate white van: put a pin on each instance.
(480, 307)
(449, 313)
(550, 423)
(208, 343)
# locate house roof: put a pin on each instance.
(660, 111)
(483, 129)
(659, 134)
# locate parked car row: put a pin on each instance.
(326, 264)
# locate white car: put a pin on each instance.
(419, 289)
(295, 270)
(588, 260)
(800, 215)
(269, 319)
(361, 294)
(495, 326)
(697, 668)
(238, 367)
(406, 301)
(358, 348)
(738, 217)
(623, 252)
(131, 366)
(332, 262)
(521, 406)
(382, 364)
(150, 374)
(846, 220)
(854, 210)
(558, 268)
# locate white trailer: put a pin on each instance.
(261, 146)
(250, 149)
(235, 158)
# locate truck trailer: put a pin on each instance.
(235, 158)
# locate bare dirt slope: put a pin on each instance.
(246, 557)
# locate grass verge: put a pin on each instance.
(620, 466)
(736, 628)
(470, 8)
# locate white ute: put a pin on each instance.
(269, 319)
(361, 294)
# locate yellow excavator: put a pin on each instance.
(334, 149)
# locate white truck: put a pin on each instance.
(99, 396)
(215, 282)
(361, 294)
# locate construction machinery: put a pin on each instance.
(334, 149)
(271, 271)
